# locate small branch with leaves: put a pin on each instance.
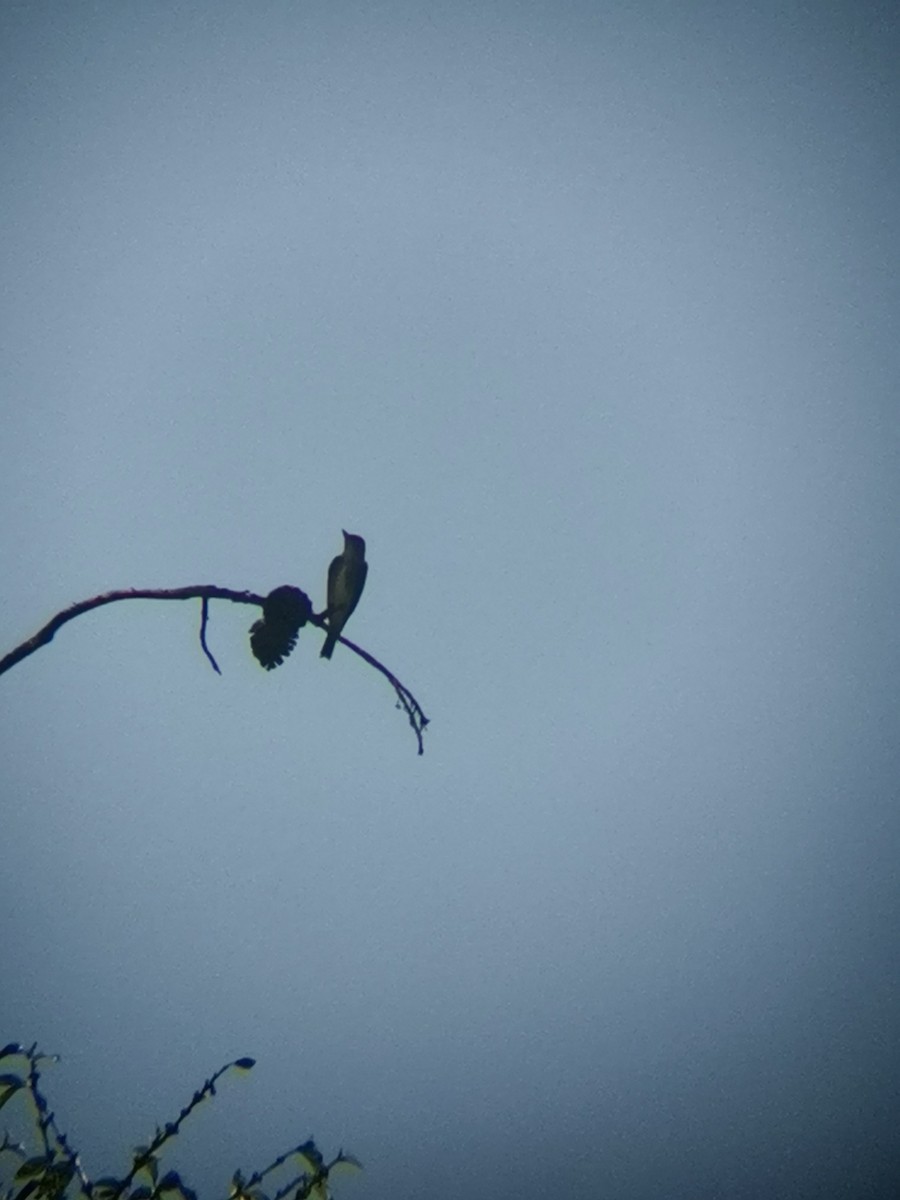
(56, 1171)
(272, 638)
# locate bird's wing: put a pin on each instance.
(363, 572)
(333, 571)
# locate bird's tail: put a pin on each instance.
(330, 643)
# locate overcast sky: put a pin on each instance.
(585, 316)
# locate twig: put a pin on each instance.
(204, 617)
(405, 698)
(47, 1122)
(170, 1130)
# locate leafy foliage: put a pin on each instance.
(55, 1171)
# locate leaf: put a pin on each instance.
(56, 1179)
(12, 1147)
(26, 1191)
(31, 1168)
(62, 1170)
(9, 1085)
(145, 1161)
(347, 1160)
(172, 1182)
(106, 1188)
(309, 1151)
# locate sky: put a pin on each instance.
(585, 316)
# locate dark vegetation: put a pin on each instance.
(51, 1168)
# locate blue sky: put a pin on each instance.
(584, 316)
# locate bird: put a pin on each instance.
(285, 612)
(346, 580)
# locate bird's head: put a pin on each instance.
(354, 544)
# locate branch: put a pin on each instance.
(52, 1172)
(203, 591)
(46, 1119)
(210, 591)
(144, 1154)
(405, 699)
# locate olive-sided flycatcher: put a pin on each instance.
(346, 580)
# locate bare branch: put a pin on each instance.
(204, 617)
(203, 591)
(206, 592)
(405, 698)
